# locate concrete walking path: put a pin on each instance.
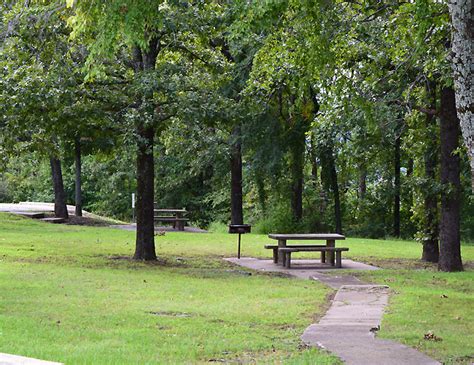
(348, 328)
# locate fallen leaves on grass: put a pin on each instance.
(430, 336)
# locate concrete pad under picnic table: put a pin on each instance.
(303, 269)
(7, 359)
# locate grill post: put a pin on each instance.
(239, 229)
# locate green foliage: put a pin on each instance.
(314, 86)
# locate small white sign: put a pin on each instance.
(133, 200)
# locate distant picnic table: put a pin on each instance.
(282, 252)
(170, 215)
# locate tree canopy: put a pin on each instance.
(293, 115)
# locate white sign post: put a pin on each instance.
(133, 207)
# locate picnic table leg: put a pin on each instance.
(331, 243)
(323, 257)
(281, 256)
(338, 259)
(288, 260)
(275, 255)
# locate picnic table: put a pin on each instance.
(174, 216)
(282, 251)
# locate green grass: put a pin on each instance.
(71, 294)
(426, 301)
(65, 298)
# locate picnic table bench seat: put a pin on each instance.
(276, 247)
(287, 251)
(170, 219)
(171, 216)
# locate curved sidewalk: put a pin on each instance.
(347, 329)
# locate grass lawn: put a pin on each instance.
(71, 294)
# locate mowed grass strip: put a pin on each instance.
(425, 302)
(65, 298)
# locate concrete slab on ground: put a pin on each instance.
(133, 227)
(36, 207)
(348, 328)
(7, 359)
(305, 269)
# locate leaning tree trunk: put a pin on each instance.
(396, 188)
(450, 241)
(145, 239)
(462, 20)
(236, 209)
(78, 166)
(60, 208)
(431, 229)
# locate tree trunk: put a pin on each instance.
(236, 209)
(450, 241)
(60, 208)
(145, 60)
(262, 196)
(362, 190)
(462, 20)
(337, 201)
(314, 162)
(331, 166)
(145, 241)
(78, 165)
(297, 167)
(431, 230)
(396, 188)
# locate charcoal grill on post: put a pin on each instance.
(240, 229)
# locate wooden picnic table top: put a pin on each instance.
(170, 211)
(307, 236)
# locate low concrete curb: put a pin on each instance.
(7, 359)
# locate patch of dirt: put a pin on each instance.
(126, 258)
(409, 264)
(173, 314)
(87, 221)
(160, 261)
(396, 263)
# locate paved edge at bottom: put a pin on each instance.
(7, 359)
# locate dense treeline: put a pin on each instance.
(292, 115)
